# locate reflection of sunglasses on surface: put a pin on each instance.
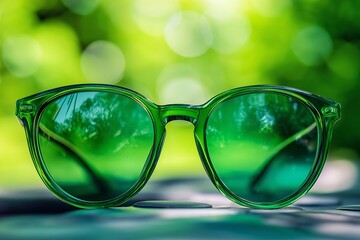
(97, 145)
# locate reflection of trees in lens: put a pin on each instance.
(262, 145)
(90, 120)
(101, 140)
(265, 113)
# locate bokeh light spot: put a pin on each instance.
(81, 7)
(270, 8)
(183, 90)
(103, 61)
(181, 84)
(152, 15)
(188, 34)
(230, 34)
(222, 9)
(337, 175)
(312, 45)
(345, 62)
(22, 55)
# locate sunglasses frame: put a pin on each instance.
(325, 111)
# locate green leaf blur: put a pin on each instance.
(176, 51)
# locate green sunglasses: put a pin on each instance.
(97, 145)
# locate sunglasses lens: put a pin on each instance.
(94, 145)
(262, 145)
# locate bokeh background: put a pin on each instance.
(180, 51)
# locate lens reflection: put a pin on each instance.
(95, 144)
(262, 145)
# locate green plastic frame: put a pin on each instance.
(326, 113)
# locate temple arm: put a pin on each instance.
(100, 183)
(278, 149)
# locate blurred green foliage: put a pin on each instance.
(176, 51)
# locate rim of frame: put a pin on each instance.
(149, 163)
(318, 161)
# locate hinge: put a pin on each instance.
(27, 108)
(331, 111)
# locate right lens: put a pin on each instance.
(262, 146)
(94, 145)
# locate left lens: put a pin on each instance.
(94, 145)
(263, 146)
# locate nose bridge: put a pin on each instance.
(184, 112)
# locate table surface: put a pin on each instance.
(36, 214)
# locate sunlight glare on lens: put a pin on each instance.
(22, 55)
(189, 34)
(103, 61)
(152, 15)
(312, 45)
(81, 7)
